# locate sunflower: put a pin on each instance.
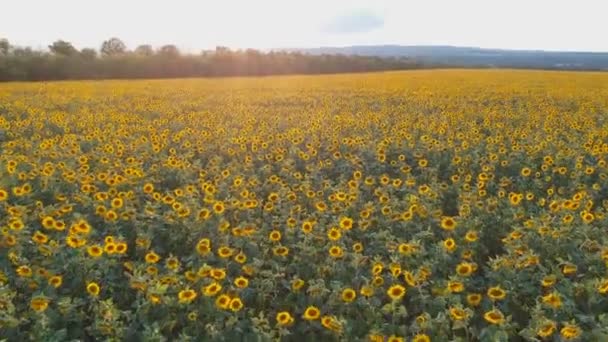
(549, 281)
(602, 286)
(284, 318)
(546, 329)
(219, 207)
(117, 203)
(241, 282)
(148, 188)
(348, 295)
(449, 245)
(336, 252)
(471, 236)
(334, 234)
(186, 296)
(211, 289)
(40, 238)
(55, 281)
(569, 269)
(346, 223)
(496, 293)
(121, 248)
(95, 251)
(297, 284)
(311, 313)
(236, 304)
(570, 331)
(474, 299)
(48, 222)
(455, 286)
(152, 258)
(458, 314)
(24, 271)
(396, 292)
(553, 300)
(3, 195)
(280, 251)
(421, 338)
(448, 223)
(274, 236)
(93, 289)
(395, 338)
(110, 248)
(39, 304)
(223, 301)
(465, 269)
(331, 323)
(494, 316)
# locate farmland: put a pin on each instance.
(406, 206)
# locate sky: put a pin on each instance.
(194, 25)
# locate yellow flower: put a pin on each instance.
(465, 269)
(334, 234)
(494, 316)
(553, 300)
(336, 252)
(569, 269)
(602, 286)
(331, 323)
(496, 293)
(186, 296)
(421, 338)
(348, 295)
(39, 304)
(546, 329)
(93, 289)
(241, 282)
(396, 292)
(236, 304)
(95, 251)
(458, 314)
(449, 245)
(455, 286)
(548, 281)
(297, 284)
(346, 223)
(24, 271)
(212, 289)
(570, 331)
(55, 281)
(274, 236)
(3, 195)
(152, 258)
(448, 223)
(474, 299)
(284, 318)
(395, 338)
(223, 301)
(471, 236)
(311, 313)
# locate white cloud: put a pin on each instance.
(196, 24)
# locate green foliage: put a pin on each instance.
(65, 62)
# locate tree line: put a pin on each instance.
(114, 60)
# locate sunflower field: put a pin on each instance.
(444, 205)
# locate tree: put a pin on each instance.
(63, 48)
(88, 54)
(144, 50)
(113, 47)
(170, 51)
(5, 46)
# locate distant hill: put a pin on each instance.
(475, 57)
